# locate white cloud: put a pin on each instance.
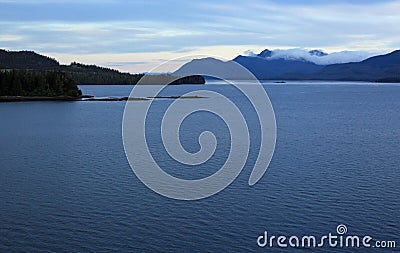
(332, 58)
(10, 37)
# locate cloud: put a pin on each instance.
(304, 54)
(124, 63)
(126, 26)
(10, 38)
(107, 27)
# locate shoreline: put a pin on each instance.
(86, 98)
(37, 98)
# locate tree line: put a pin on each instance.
(92, 74)
(37, 83)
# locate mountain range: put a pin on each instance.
(292, 64)
(275, 65)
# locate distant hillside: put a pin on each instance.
(80, 73)
(383, 68)
(211, 67)
(261, 66)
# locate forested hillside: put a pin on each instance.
(37, 83)
(80, 73)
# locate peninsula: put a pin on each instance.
(26, 75)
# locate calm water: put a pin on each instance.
(66, 186)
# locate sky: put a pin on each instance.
(138, 35)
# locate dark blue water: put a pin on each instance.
(66, 186)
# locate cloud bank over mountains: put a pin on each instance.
(315, 56)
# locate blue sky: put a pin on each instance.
(137, 35)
